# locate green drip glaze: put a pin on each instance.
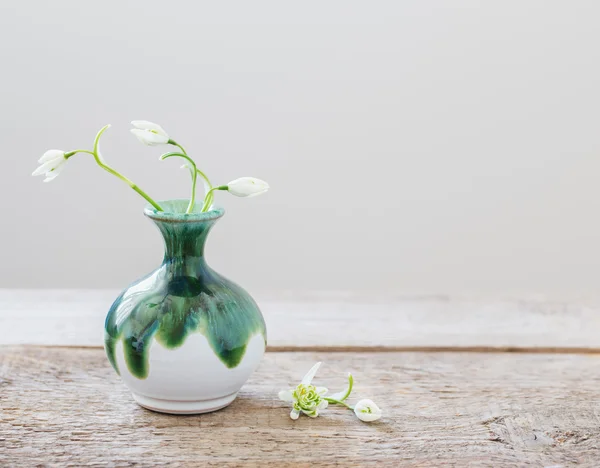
(183, 296)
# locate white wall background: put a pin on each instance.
(414, 146)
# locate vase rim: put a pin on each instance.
(174, 212)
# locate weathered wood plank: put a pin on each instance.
(76, 318)
(65, 406)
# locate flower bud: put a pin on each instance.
(247, 187)
(149, 133)
(367, 411)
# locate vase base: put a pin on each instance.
(183, 407)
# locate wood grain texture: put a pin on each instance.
(76, 318)
(66, 407)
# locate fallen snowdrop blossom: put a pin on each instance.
(367, 411)
(306, 398)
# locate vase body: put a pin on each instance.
(184, 338)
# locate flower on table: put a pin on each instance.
(51, 164)
(306, 398)
(149, 133)
(247, 187)
(367, 411)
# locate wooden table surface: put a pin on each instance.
(462, 382)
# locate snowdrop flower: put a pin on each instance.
(51, 163)
(367, 411)
(247, 187)
(242, 187)
(149, 133)
(306, 398)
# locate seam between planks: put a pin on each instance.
(386, 349)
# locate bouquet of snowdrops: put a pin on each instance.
(151, 134)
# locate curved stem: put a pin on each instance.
(338, 402)
(129, 182)
(209, 196)
(74, 152)
(174, 143)
(194, 172)
(110, 170)
(207, 199)
(202, 174)
(343, 395)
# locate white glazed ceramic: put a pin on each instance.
(190, 379)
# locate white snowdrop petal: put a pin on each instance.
(54, 173)
(149, 138)
(145, 125)
(368, 417)
(286, 395)
(255, 194)
(311, 374)
(294, 414)
(39, 171)
(367, 411)
(247, 187)
(51, 154)
(139, 134)
(158, 139)
(49, 178)
(46, 167)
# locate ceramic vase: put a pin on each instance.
(184, 339)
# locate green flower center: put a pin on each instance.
(306, 398)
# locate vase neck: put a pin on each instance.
(184, 241)
(184, 235)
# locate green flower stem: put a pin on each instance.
(194, 172)
(194, 175)
(338, 402)
(74, 152)
(110, 170)
(129, 182)
(344, 396)
(209, 196)
(202, 174)
(174, 143)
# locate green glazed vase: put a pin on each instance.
(184, 338)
